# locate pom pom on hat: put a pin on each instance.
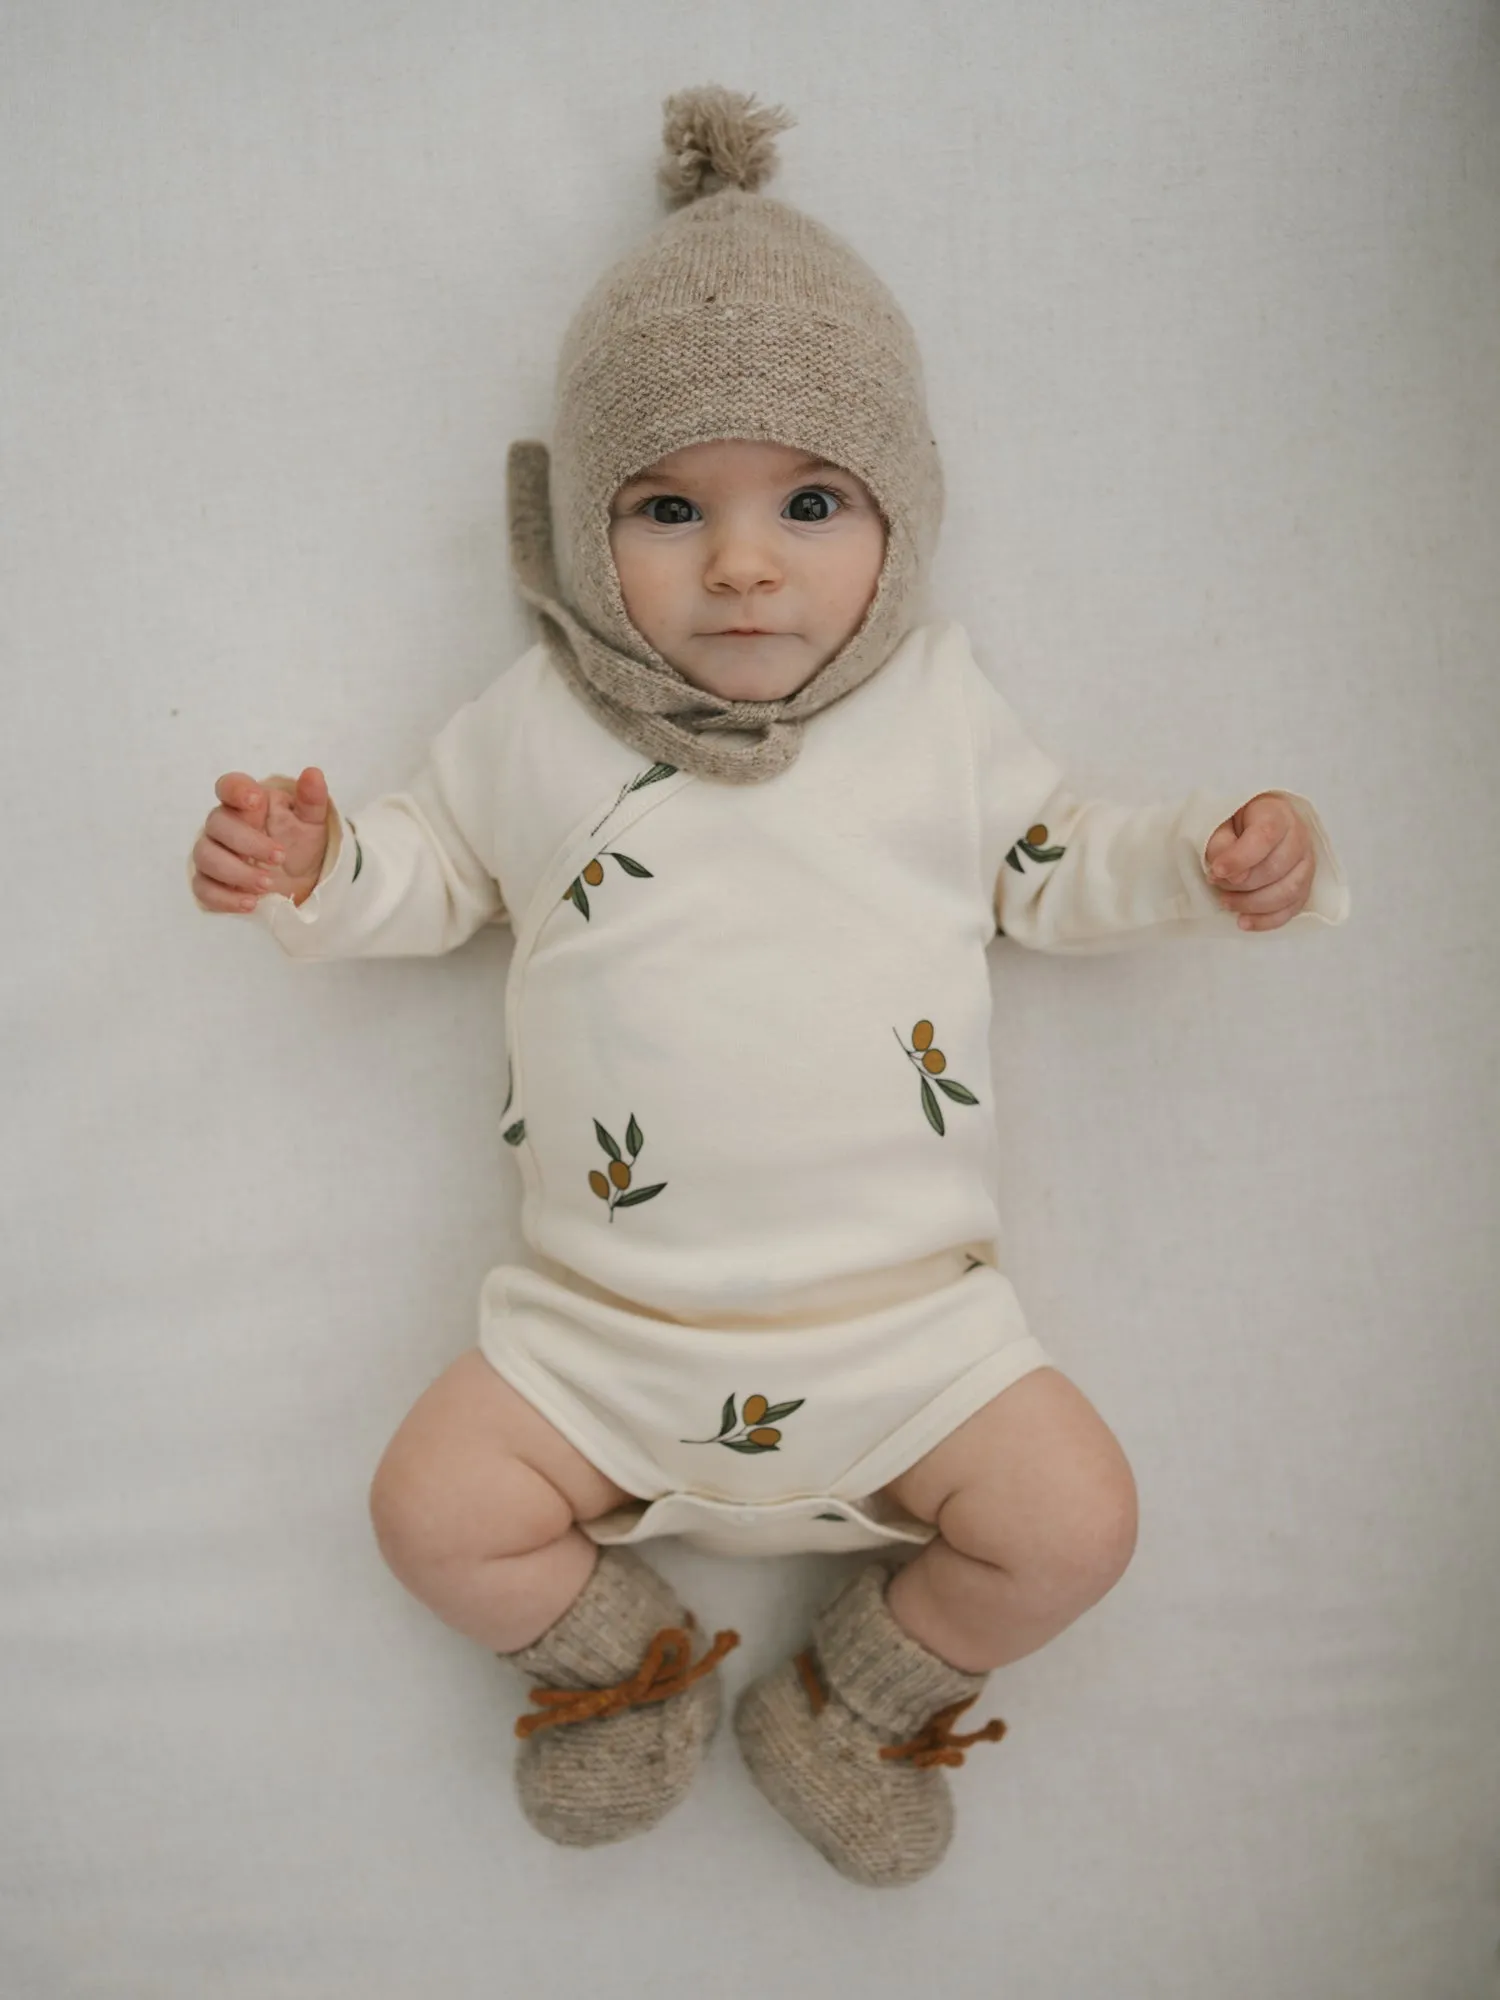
(717, 138)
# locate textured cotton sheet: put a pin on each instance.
(1208, 301)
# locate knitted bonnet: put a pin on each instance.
(738, 318)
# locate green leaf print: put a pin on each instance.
(930, 1106)
(634, 1137)
(656, 773)
(516, 1133)
(653, 776)
(606, 1141)
(579, 895)
(959, 1092)
(639, 1194)
(729, 1416)
(631, 867)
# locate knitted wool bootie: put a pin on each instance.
(845, 1739)
(625, 1717)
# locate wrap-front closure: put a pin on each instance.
(630, 804)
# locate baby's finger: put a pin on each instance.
(1277, 863)
(1288, 893)
(218, 864)
(311, 802)
(240, 792)
(230, 831)
(215, 896)
(1259, 838)
(1271, 923)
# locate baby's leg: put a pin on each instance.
(474, 1505)
(1035, 1509)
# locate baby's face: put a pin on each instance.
(747, 566)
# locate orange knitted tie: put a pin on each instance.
(662, 1673)
(934, 1744)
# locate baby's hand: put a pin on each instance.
(1262, 862)
(261, 840)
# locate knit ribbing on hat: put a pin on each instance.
(737, 318)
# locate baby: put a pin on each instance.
(754, 819)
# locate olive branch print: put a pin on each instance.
(593, 874)
(1034, 844)
(931, 1062)
(757, 1430)
(650, 777)
(612, 1186)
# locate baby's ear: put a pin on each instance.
(529, 506)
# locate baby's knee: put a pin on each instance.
(427, 1516)
(1073, 1542)
(1109, 1525)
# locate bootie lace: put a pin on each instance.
(935, 1743)
(662, 1673)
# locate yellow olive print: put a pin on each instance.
(754, 1433)
(933, 1062)
(593, 874)
(619, 1174)
(1035, 844)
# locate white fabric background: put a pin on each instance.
(1209, 299)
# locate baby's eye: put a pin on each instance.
(673, 520)
(813, 503)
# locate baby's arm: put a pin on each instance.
(1087, 876)
(411, 873)
(1082, 875)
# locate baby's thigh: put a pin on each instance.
(1034, 1477)
(475, 1470)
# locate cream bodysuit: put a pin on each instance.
(748, 1035)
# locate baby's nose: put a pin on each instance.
(742, 562)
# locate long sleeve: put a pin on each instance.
(411, 873)
(1083, 876)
